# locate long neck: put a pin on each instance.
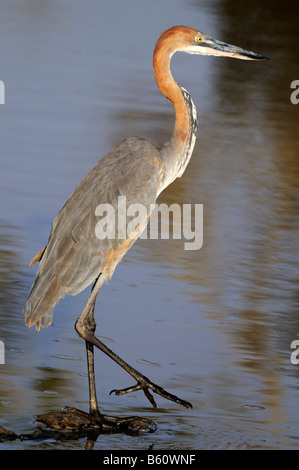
(180, 147)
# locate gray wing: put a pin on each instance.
(74, 256)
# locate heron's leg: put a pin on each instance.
(93, 402)
(85, 327)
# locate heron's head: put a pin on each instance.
(185, 39)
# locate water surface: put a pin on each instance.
(213, 326)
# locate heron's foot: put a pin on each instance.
(73, 420)
(145, 384)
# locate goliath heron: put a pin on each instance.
(75, 257)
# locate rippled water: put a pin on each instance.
(213, 326)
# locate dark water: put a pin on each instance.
(213, 326)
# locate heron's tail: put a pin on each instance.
(45, 294)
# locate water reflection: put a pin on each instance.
(221, 318)
(12, 284)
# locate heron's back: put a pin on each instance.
(74, 256)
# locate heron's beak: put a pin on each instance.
(212, 46)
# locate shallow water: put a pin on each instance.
(213, 326)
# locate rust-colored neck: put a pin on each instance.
(164, 49)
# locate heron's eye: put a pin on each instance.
(198, 39)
